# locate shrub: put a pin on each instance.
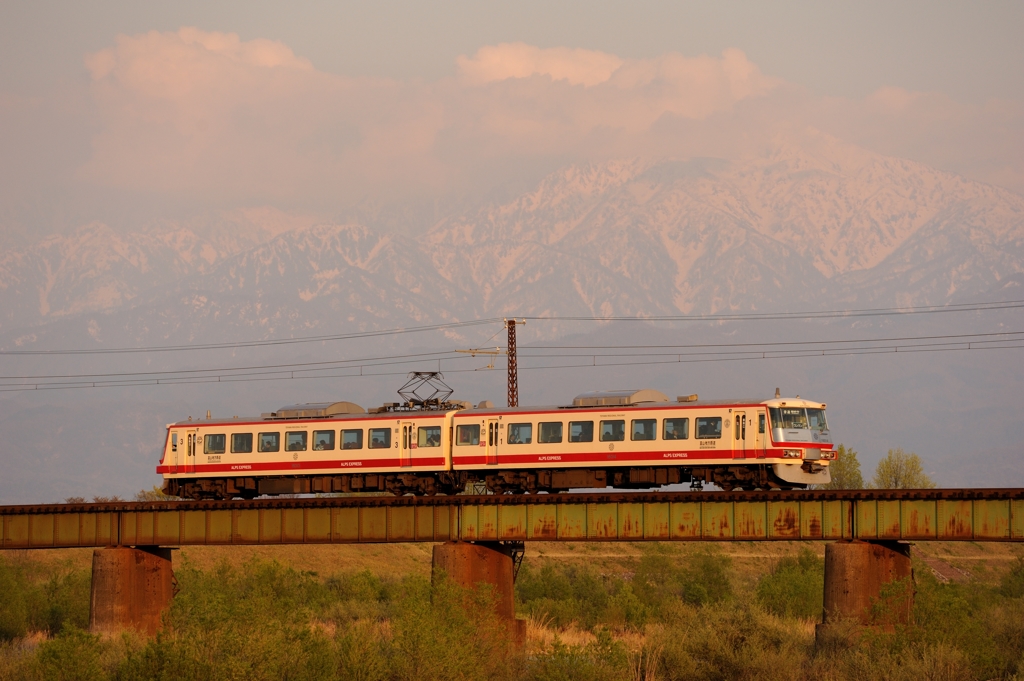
(1012, 583)
(13, 606)
(74, 655)
(794, 587)
(566, 595)
(705, 578)
(604, 659)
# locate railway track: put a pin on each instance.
(804, 515)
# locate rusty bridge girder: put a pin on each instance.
(917, 515)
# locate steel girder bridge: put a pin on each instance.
(481, 538)
(870, 515)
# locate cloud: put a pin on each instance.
(518, 60)
(207, 115)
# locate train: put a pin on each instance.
(627, 439)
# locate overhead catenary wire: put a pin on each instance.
(703, 356)
(716, 317)
(245, 379)
(530, 351)
(822, 314)
(259, 343)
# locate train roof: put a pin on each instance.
(591, 400)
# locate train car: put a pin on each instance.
(624, 439)
(640, 439)
(308, 448)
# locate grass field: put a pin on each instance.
(594, 611)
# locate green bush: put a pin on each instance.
(74, 655)
(565, 595)
(35, 601)
(1012, 583)
(267, 621)
(604, 659)
(13, 604)
(705, 578)
(794, 587)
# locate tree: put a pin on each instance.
(155, 494)
(899, 470)
(845, 471)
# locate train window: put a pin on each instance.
(581, 431)
(468, 435)
(790, 417)
(760, 423)
(644, 429)
(429, 436)
(709, 428)
(295, 442)
(214, 444)
(353, 439)
(174, 442)
(241, 443)
(613, 431)
(816, 419)
(520, 433)
(380, 438)
(549, 433)
(676, 429)
(270, 442)
(323, 440)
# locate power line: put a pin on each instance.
(822, 314)
(747, 316)
(527, 351)
(260, 343)
(774, 343)
(682, 358)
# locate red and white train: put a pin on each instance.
(624, 439)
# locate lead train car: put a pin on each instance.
(627, 439)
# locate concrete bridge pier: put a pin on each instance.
(870, 583)
(131, 587)
(470, 563)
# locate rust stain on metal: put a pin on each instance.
(686, 520)
(602, 521)
(631, 521)
(749, 521)
(918, 524)
(991, 520)
(717, 520)
(547, 528)
(786, 524)
(572, 521)
(811, 520)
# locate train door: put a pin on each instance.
(761, 434)
(492, 441)
(406, 444)
(190, 452)
(739, 433)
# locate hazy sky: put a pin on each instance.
(313, 105)
(968, 50)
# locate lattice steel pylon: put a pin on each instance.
(513, 369)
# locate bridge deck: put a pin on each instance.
(918, 515)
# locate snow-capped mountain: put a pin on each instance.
(819, 224)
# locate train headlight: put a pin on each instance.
(829, 454)
(792, 453)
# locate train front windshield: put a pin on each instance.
(798, 424)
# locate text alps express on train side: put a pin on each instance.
(622, 439)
